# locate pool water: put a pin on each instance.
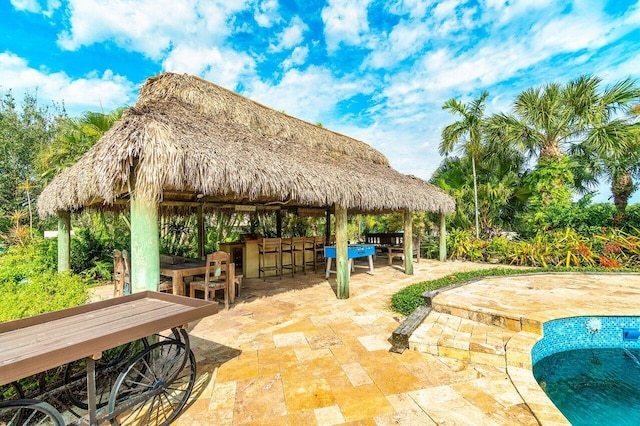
(593, 386)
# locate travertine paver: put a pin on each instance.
(290, 353)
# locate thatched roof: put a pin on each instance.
(190, 140)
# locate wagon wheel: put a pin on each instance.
(10, 392)
(29, 412)
(176, 334)
(108, 367)
(155, 386)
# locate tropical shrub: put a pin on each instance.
(462, 245)
(610, 249)
(40, 293)
(29, 284)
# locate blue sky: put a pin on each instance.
(376, 70)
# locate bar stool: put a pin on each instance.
(289, 249)
(309, 247)
(270, 248)
(318, 253)
(298, 244)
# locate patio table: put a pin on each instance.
(177, 272)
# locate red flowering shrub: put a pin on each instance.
(607, 262)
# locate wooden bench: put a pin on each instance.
(391, 244)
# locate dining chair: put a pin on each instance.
(219, 272)
(121, 273)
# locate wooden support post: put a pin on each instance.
(64, 241)
(342, 260)
(327, 227)
(279, 223)
(408, 242)
(443, 238)
(145, 245)
(200, 218)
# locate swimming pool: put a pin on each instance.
(590, 370)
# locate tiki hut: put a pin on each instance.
(190, 144)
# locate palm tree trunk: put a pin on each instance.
(622, 188)
(551, 152)
(30, 216)
(475, 195)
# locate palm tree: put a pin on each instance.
(466, 135)
(539, 124)
(75, 137)
(27, 186)
(612, 139)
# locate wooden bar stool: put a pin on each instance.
(318, 253)
(270, 248)
(309, 253)
(288, 248)
(298, 244)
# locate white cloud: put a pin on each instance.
(294, 34)
(298, 57)
(406, 38)
(345, 22)
(504, 11)
(220, 65)
(291, 36)
(147, 26)
(413, 8)
(266, 13)
(309, 94)
(447, 9)
(571, 33)
(26, 5)
(92, 92)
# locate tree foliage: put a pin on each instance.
(24, 129)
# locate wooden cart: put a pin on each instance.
(103, 361)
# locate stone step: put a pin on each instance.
(451, 336)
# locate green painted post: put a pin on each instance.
(443, 238)
(145, 245)
(408, 242)
(64, 241)
(342, 260)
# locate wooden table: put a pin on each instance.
(190, 268)
(178, 271)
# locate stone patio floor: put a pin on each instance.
(290, 353)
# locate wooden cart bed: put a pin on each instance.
(31, 345)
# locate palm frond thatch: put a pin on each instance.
(189, 136)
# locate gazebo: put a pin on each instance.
(188, 145)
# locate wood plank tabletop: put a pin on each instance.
(36, 344)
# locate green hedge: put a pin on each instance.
(409, 298)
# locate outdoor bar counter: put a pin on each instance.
(246, 254)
